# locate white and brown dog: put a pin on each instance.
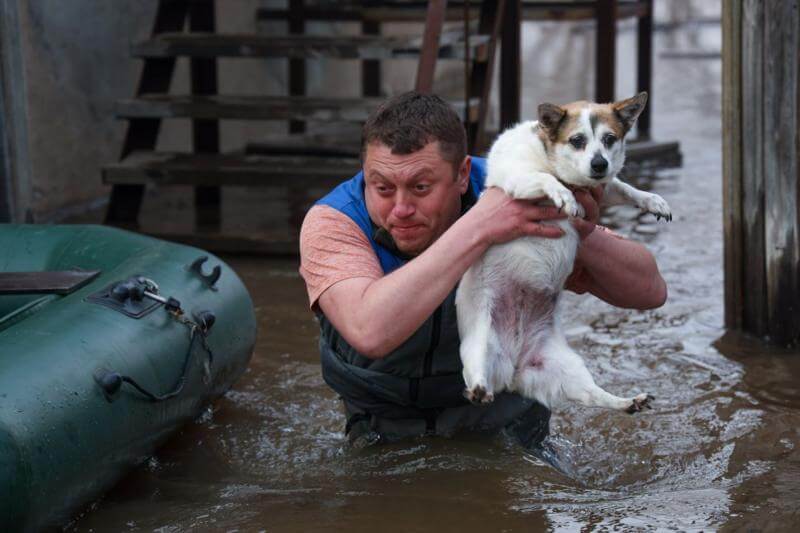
(507, 301)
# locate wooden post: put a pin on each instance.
(605, 50)
(205, 132)
(434, 21)
(761, 182)
(510, 67)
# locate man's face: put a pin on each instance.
(415, 197)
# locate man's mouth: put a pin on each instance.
(406, 230)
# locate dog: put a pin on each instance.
(507, 302)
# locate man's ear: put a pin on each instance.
(550, 118)
(629, 110)
(463, 174)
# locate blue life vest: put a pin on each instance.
(348, 198)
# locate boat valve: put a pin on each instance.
(149, 289)
(205, 320)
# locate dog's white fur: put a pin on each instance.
(507, 301)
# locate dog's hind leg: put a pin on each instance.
(474, 309)
(559, 374)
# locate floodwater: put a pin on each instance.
(720, 449)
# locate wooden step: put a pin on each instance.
(647, 154)
(257, 107)
(451, 46)
(171, 168)
(416, 11)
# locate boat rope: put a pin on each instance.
(111, 381)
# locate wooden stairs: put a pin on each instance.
(297, 161)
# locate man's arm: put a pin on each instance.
(619, 271)
(376, 316)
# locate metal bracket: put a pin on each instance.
(208, 279)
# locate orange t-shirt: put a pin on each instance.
(332, 249)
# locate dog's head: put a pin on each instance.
(585, 142)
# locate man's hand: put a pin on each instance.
(590, 200)
(504, 219)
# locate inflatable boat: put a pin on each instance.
(109, 341)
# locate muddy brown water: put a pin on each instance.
(719, 451)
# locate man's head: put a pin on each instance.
(413, 151)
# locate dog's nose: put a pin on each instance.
(599, 164)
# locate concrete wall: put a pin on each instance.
(66, 65)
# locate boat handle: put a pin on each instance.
(209, 279)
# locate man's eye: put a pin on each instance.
(578, 141)
(609, 139)
(422, 187)
(382, 189)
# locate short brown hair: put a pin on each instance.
(409, 121)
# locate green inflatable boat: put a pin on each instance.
(109, 341)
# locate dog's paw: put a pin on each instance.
(653, 203)
(478, 395)
(563, 199)
(639, 403)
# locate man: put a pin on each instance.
(381, 256)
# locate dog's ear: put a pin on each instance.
(550, 118)
(627, 111)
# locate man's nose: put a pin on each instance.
(403, 208)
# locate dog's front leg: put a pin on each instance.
(620, 193)
(539, 185)
(473, 307)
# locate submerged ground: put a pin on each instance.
(719, 451)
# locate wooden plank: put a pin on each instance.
(160, 106)
(754, 318)
(430, 45)
(510, 64)
(297, 66)
(415, 11)
(651, 155)
(205, 132)
(371, 69)
(171, 168)
(375, 47)
(142, 133)
(53, 282)
(605, 51)
(482, 73)
(781, 224)
(732, 163)
(644, 68)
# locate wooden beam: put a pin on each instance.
(754, 290)
(205, 132)
(426, 67)
(605, 50)
(510, 64)
(732, 162)
(142, 134)
(644, 68)
(781, 112)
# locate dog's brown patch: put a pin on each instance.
(618, 116)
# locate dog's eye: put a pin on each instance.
(609, 139)
(578, 141)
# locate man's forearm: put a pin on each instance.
(396, 305)
(621, 272)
